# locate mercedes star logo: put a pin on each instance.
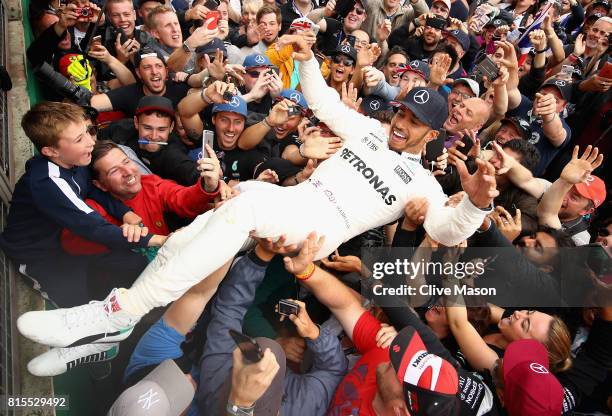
(345, 48)
(295, 97)
(259, 59)
(375, 105)
(421, 97)
(234, 102)
(560, 83)
(538, 368)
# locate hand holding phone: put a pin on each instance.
(215, 15)
(285, 307)
(606, 71)
(208, 138)
(251, 351)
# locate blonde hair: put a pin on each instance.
(558, 344)
(255, 5)
(151, 23)
(44, 122)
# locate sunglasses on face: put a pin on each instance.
(254, 74)
(359, 11)
(92, 130)
(339, 59)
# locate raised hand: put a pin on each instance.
(481, 185)
(383, 30)
(210, 170)
(509, 226)
(316, 146)
(579, 45)
(250, 381)
(350, 96)
(439, 67)
(127, 49)
(304, 325)
(538, 39)
(214, 92)
(279, 114)
(579, 169)
(310, 247)
(268, 175)
(510, 60)
(544, 105)
(216, 69)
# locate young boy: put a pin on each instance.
(50, 196)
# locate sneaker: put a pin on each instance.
(59, 360)
(96, 322)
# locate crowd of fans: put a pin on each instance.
(232, 159)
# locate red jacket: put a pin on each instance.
(156, 197)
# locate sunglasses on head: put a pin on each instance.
(346, 61)
(92, 130)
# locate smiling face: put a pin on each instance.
(153, 74)
(507, 132)
(599, 32)
(574, 205)
(154, 127)
(118, 175)
(287, 127)
(268, 28)
(123, 15)
(340, 72)
(408, 133)
(458, 93)
(526, 324)
(431, 36)
(355, 18)
(393, 62)
(73, 147)
(228, 127)
(167, 30)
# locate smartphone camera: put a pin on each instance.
(286, 307)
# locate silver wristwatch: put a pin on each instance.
(235, 410)
(187, 48)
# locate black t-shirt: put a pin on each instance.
(238, 164)
(126, 98)
(413, 46)
(262, 107)
(459, 11)
(328, 42)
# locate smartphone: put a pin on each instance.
(350, 39)
(208, 138)
(313, 121)
(436, 23)
(606, 71)
(434, 149)
(211, 4)
(251, 351)
(567, 70)
(275, 69)
(228, 96)
(286, 307)
(487, 68)
(216, 15)
(468, 144)
(294, 111)
(122, 36)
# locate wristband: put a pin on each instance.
(308, 273)
(265, 122)
(187, 79)
(204, 97)
(573, 58)
(300, 151)
(542, 51)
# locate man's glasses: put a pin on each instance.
(463, 96)
(339, 59)
(92, 130)
(254, 74)
(359, 11)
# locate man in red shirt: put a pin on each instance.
(148, 195)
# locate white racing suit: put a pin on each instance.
(362, 186)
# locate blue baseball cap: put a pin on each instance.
(235, 105)
(256, 60)
(295, 96)
(427, 105)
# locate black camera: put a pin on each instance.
(62, 85)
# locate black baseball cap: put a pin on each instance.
(564, 87)
(604, 3)
(346, 49)
(430, 383)
(461, 37)
(522, 126)
(427, 105)
(373, 104)
(211, 47)
(155, 103)
(418, 67)
(147, 52)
